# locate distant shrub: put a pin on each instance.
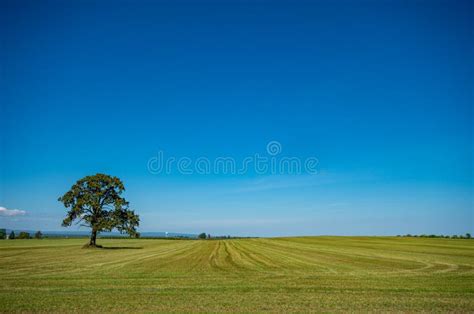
(12, 235)
(202, 235)
(38, 235)
(24, 235)
(466, 236)
(3, 234)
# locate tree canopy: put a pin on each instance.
(96, 202)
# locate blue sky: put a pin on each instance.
(380, 92)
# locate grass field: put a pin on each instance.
(308, 274)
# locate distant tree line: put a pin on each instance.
(39, 235)
(466, 236)
(204, 236)
(21, 235)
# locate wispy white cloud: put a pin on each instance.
(11, 212)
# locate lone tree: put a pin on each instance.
(95, 202)
(38, 235)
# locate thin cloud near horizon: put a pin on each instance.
(5, 212)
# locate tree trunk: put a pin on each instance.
(93, 238)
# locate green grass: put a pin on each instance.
(308, 274)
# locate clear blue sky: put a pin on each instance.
(379, 91)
